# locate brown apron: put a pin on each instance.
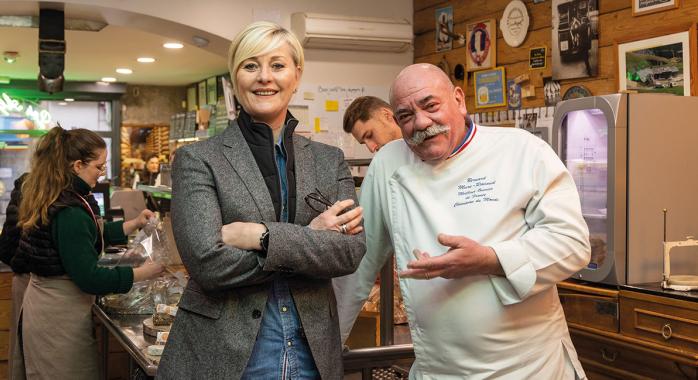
(57, 330)
(15, 365)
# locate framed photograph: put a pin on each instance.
(575, 38)
(212, 93)
(643, 7)
(481, 44)
(202, 94)
(490, 88)
(444, 25)
(657, 65)
(529, 121)
(537, 58)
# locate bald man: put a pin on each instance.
(370, 120)
(483, 222)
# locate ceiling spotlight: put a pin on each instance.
(123, 70)
(102, 83)
(173, 45)
(69, 99)
(146, 60)
(108, 79)
(10, 56)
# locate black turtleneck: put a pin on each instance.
(260, 139)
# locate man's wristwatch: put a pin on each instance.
(264, 238)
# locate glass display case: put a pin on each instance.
(585, 154)
(631, 156)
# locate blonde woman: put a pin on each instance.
(263, 220)
(60, 243)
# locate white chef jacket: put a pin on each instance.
(507, 189)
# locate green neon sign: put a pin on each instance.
(8, 106)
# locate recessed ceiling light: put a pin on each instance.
(146, 60)
(102, 83)
(69, 99)
(108, 79)
(124, 70)
(173, 45)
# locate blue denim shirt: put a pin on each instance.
(281, 350)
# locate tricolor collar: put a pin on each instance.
(466, 140)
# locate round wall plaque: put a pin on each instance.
(576, 92)
(514, 23)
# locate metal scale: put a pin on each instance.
(677, 282)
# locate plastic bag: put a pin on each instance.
(144, 295)
(150, 243)
(138, 300)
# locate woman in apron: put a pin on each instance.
(62, 238)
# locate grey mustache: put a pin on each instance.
(419, 136)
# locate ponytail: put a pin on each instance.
(51, 170)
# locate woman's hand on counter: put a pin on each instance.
(147, 271)
(333, 220)
(243, 235)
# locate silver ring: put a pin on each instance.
(343, 228)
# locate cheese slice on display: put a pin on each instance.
(156, 349)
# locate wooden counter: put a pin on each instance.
(632, 332)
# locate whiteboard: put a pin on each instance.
(320, 108)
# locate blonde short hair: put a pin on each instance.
(260, 38)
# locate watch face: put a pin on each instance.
(576, 92)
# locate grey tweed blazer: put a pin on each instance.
(216, 182)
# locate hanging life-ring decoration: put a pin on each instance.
(479, 43)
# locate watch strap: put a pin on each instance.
(264, 238)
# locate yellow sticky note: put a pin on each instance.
(317, 125)
(331, 105)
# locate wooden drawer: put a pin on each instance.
(588, 306)
(606, 358)
(4, 345)
(5, 285)
(665, 321)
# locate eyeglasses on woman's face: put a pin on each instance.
(100, 167)
(317, 201)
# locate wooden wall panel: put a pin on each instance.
(616, 24)
(422, 4)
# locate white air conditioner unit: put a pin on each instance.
(352, 33)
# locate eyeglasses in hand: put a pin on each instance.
(317, 201)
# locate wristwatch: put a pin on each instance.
(264, 238)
